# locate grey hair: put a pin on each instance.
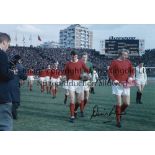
(120, 51)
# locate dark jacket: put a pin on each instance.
(15, 85)
(5, 76)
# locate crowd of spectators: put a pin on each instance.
(39, 58)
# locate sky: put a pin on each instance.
(50, 32)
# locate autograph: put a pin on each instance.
(107, 115)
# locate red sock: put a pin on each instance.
(82, 106)
(76, 106)
(42, 88)
(53, 92)
(72, 107)
(85, 102)
(123, 107)
(118, 113)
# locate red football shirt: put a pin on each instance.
(42, 73)
(30, 72)
(73, 70)
(48, 72)
(55, 73)
(120, 70)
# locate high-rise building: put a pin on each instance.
(76, 36)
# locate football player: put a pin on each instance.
(47, 78)
(55, 79)
(121, 72)
(73, 70)
(86, 83)
(141, 81)
(94, 80)
(30, 78)
(42, 75)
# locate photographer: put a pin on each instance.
(20, 74)
(6, 75)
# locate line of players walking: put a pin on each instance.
(79, 77)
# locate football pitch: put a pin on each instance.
(39, 112)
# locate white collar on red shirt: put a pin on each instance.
(122, 60)
(119, 60)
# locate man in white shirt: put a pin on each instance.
(94, 80)
(141, 81)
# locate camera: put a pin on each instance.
(13, 61)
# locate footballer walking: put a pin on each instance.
(86, 84)
(73, 70)
(47, 78)
(121, 72)
(141, 81)
(55, 79)
(30, 78)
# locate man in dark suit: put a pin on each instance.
(14, 84)
(6, 75)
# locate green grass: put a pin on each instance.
(39, 112)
